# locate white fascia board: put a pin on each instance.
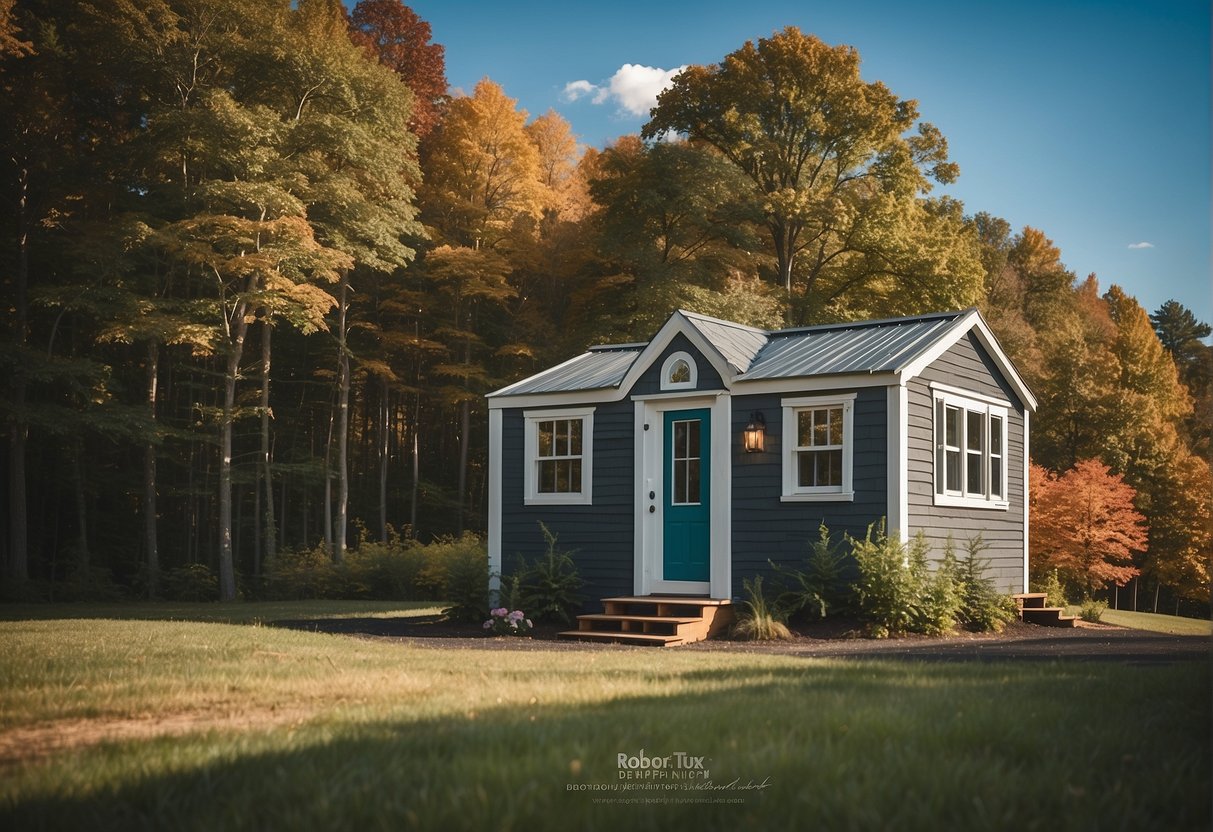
(677, 323)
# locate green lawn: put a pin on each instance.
(1172, 624)
(190, 725)
(234, 612)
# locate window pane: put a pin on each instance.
(547, 477)
(973, 433)
(693, 481)
(952, 467)
(680, 372)
(996, 435)
(575, 437)
(804, 475)
(680, 440)
(836, 426)
(562, 476)
(562, 437)
(804, 428)
(996, 476)
(545, 438)
(680, 481)
(833, 468)
(693, 439)
(821, 427)
(973, 483)
(952, 431)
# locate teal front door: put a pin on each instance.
(686, 520)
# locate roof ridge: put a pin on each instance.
(635, 345)
(928, 316)
(734, 324)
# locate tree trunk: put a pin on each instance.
(227, 570)
(1157, 584)
(416, 469)
(18, 529)
(149, 476)
(385, 425)
(82, 552)
(343, 425)
(328, 482)
(269, 530)
(465, 414)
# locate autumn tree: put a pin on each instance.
(836, 173)
(1084, 525)
(401, 41)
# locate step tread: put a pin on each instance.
(658, 619)
(614, 636)
(1030, 595)
(669, 599)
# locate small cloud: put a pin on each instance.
(1142, 244)
(634, 87)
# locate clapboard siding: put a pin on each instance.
(766, 529)
(650, 380)
(966, 365)
(600, 533)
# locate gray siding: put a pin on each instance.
(966, 365)
(764, 528)
(650, 381)
(601, 533)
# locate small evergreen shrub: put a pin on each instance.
(896, 592)
(756, 619)
(942, 598)
(819, 589)
(1092, 610)
(192, 582)
(983, 608)
(1054, 590)
(549, 586)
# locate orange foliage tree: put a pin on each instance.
(1084, 525)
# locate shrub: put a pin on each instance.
(756, 619)
(464, 565)
(1054, 590)
(387, 571)
(819, 589)
(192, 582)
(1092, 610)
(89, 583)
(502, 622)
(897, 593)
(983, 608)
(305, 575)
(549, 586)
(942, 597)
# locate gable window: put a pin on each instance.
(970, 450)
(558, 463)
(818, 443)
(679, 372)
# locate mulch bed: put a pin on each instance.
(840, 638)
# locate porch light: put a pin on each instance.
(753, 436)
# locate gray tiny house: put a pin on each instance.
(680, 466)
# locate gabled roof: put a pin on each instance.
(896, 347)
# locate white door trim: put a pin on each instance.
(650, 473)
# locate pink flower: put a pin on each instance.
(500, 612)
(528, 623)
(517, 615)
(488, 624)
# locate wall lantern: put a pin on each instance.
(753, 436)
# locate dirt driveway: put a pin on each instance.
(1019, 642)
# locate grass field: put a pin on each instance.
(195, 725)
(1171, 624)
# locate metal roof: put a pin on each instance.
(590, 371)
(863, 347)
(883, 346)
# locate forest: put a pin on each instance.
(260, 266)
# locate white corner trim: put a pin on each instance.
(530, 444)
(897, 458)
(668, 365)
(1026, 526)
(640, 579)
(495, 473)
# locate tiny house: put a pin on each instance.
(684, 464)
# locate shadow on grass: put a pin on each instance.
(838, 746)
(233, 612)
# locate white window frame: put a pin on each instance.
(668, 366)
(968, 402)
(530, 462)
(792, 490)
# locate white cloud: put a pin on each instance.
(634, 87)
(1141, 245)
(577, 89)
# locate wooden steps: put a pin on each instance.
(1032, 610)
(655, 620)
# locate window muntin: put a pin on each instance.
(970, 437)
(558, 456)
(818, 446)
(685, 462)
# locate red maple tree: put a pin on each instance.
(1084, 525)
(393, 33)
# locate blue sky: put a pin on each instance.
(1088, 120)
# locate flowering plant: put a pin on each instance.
(502, 622)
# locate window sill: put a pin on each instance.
(970, 502)
(558, 500)
(823, 497)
